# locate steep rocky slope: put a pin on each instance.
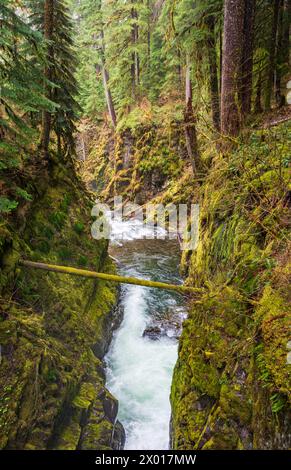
(55, 329)
(231, 385)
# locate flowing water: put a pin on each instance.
(140, 366)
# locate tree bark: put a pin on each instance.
(272, 54)
(105, 79)
(258, 100)
(135, 66)
(279, 54)
(149, 35)
(108, 96)
(231, 60)
(286, 33)
(48, 35)
(189, 120)
(213, 72)
(283, 49)
(247, 57)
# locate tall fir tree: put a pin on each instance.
(52, 19)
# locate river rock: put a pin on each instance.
(153, 332)
(118, 438)
(161, 328)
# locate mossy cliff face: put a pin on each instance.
(134, 163)
(231, 384)
(230, 387)
(52, 387)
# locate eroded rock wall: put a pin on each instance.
(231, 384)
(55, 329)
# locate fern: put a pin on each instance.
(7, 205)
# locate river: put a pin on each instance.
(140, 366)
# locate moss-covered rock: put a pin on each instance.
(231, 384)
(51, 383)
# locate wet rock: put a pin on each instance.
(169, 324)
(110, 406)
(118, 438)
(114, 320)
(153, 332)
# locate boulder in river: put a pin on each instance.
(153, 332)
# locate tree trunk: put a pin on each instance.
(231, 60)
(189, 119)
(247, 58)
(286, 33)
(109, 277)
(283, 49)
(272, 55)
(279, 55)
(108, 96)
(180, 72)
(149, 35)
(220, 59)
(105, 79)
(59, 143)
(213, 79)
(48, 35)
(135, 66)
(258, 100)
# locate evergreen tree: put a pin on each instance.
(232, 58)
(21, 93)
(21, 96)
(52, 19)
(132, 50)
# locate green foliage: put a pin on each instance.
(57, 219)
(23, 194)
(63, 67)
(51, 375)
(278, 402)
(79, 227)
(83, 261)
(19, 75)
(65, 253)
(7, 205)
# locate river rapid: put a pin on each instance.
(143, 352)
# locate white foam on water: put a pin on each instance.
(132, 229)
(139, 375)
(139, 369)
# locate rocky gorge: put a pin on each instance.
(55, 330)
(226, 390)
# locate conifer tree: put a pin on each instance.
(21, 98)
(21, 93)
(52, 19)
(232, 57)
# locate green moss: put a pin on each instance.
(79, 227)
(232, 376)
(70, 437)
(97, 436)
(83, 261)
(86, 396)
(273, 315)
(57, 219)
(47, 365)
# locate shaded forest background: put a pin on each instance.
(213, 65)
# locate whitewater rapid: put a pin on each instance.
(139, 369)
